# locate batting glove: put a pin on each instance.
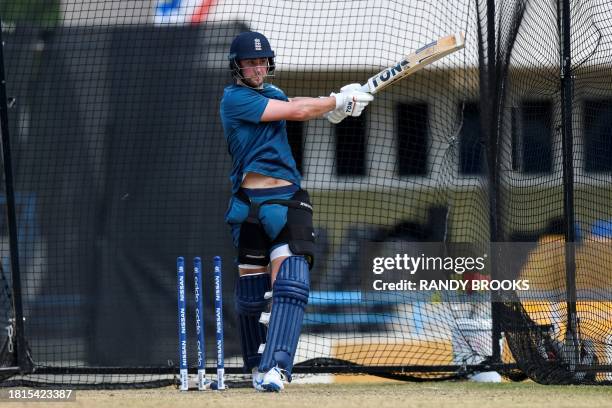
(351, 100)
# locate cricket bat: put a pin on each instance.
(415, 62)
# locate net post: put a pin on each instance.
(490, 92)
(571, 335)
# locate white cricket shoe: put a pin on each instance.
(273, 380)
(257, 379)
(486, 377)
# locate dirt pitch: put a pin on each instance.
(378, 395)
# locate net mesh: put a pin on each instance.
(532, 185)
(121, 166)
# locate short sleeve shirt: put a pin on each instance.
(255, 146)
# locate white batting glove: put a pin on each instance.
(351, 101)
(351, 87)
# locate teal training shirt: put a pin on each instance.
(257, 147)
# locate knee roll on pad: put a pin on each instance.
(250, 290)
(290, 296)
(250, 302)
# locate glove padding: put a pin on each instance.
(350, 101)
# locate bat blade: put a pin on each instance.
(415, 62)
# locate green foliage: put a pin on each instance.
(36, 12)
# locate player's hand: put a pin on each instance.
(351, 100)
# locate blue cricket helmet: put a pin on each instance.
(248, 45)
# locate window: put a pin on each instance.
(598, 135)
(295, 136)
(351, 146)
(471, 150)
(412, 133)
(535, 137)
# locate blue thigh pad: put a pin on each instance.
(250, 303)
(255, 224)
(290, 296)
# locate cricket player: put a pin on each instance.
(269, 214)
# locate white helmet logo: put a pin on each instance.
(257, 44)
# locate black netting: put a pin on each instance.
(121, 165)
(536, 198)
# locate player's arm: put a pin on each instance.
(348, 102)
(298, 109)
